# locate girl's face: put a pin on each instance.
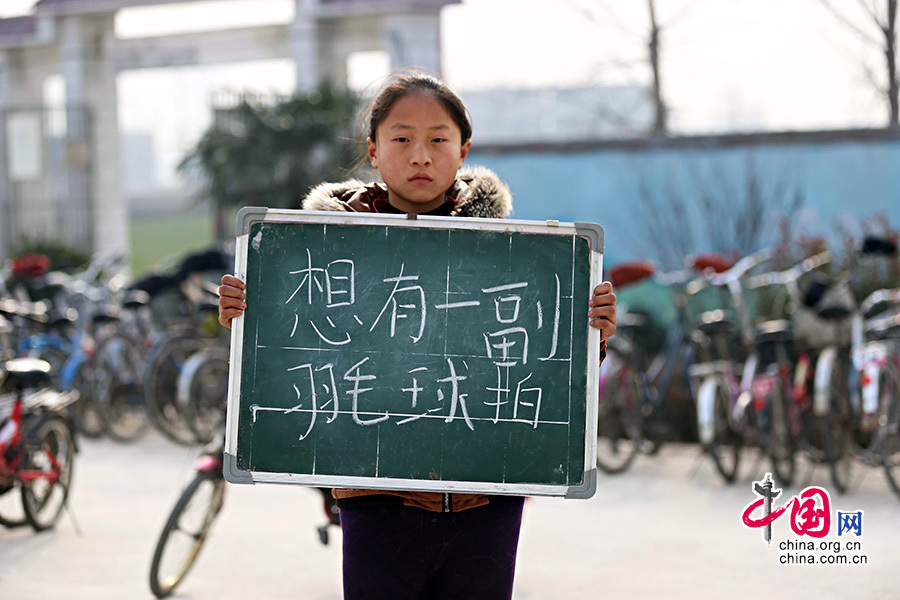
(418, 150)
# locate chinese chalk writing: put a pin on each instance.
(331, 305)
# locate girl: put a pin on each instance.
(423, 545)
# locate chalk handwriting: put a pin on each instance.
(523, 322)
(339, 290)
(415, 300)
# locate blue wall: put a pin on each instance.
(848, 179)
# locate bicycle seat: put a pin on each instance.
(208, 306)
(776, 331)
(22, 373)
(815, 291)
(106, 315)
(631, 272)
(878, 245)
(58, 319)
(135, 299)
(716, 321)
(834, 313)
(709, 261)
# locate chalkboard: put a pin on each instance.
(430, 353)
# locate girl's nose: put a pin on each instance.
(420, 155)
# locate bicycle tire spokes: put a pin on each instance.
(619, 424)
(185, 532)
(47, 473)
(890, 450)
(725, 449)
(12, 513)
(164, 367)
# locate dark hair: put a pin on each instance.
(399, 85)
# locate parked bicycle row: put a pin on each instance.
(136, 354)
(798, 364)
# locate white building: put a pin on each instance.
(60, 175)
(555, 115)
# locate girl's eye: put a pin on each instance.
(439, 140)
(401, 139)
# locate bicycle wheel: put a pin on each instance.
(119, 389)
(47, 472)
(203, 393)
(890, 393)
(781, 443)
(837, 428)
(725, 448)
(164, 365)
(619, 417)
(84, 410)
(12, 514)
(185, 532)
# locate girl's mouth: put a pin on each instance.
(420, 178)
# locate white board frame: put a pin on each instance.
(251, 215)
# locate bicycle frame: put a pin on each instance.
(661, 371)
(822, 380)
(741, 394)
(11, 438)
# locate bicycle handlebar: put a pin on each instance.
(679, 277)
(33, 311)
(883, 296)
(792, 274)
(741, 267)
(732, 275)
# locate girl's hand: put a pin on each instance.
(231, 299)
(603, 310)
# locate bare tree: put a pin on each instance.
(651, 40)
(875, 21)
(714, 207)
(661, 111)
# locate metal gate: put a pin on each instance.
(45, 178)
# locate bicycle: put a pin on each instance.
(75, 318)
(791, 417)
(731, 412)
(37, 446)
(168, 358)
(202, 385)
(875, 389)
(632, 415)
(840, 366)
(190, 522)
(885, 383)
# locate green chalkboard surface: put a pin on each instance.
(387, 352)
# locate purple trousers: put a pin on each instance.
(397, 552)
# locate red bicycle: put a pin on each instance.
(37, 446)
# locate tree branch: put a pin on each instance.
(848, 23)
(871, 11)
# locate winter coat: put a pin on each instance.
(477, 192)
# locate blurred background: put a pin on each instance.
(679, 125)
(137, 128)
(132, 131)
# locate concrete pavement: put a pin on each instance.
(667, 529)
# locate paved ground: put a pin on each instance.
(668, 529)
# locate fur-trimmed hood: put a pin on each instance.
(477, 192)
